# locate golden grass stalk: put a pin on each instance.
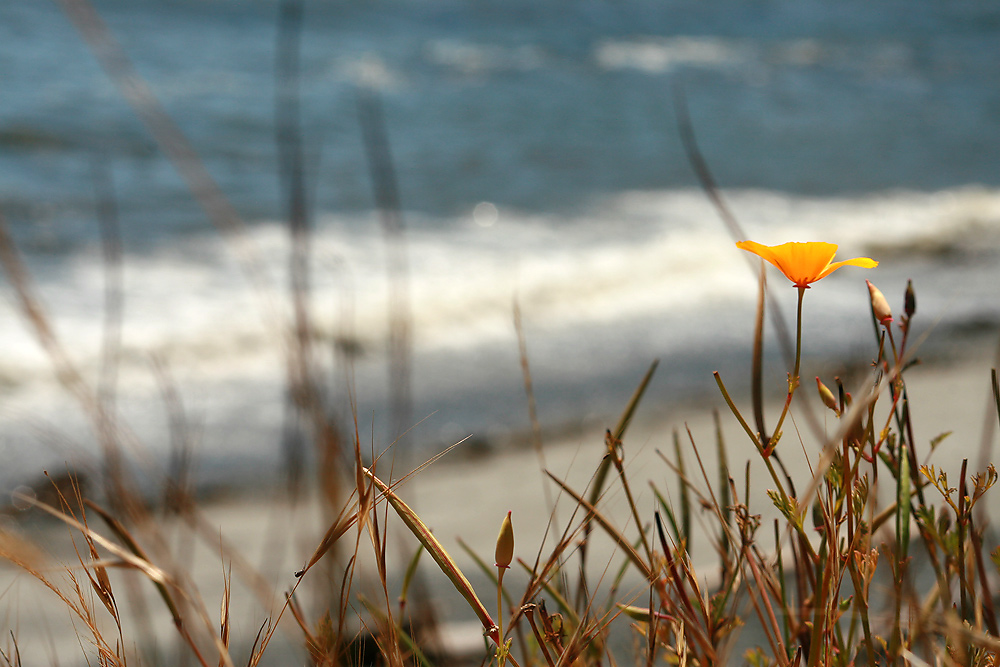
(437, 551)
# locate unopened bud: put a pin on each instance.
(505, 543)
(829, 400)
(910, 300)
(879, 305)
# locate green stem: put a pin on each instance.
(793, 380)
(501, 645)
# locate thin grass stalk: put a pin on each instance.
(404, 636)
(651, 632)
(729, 576)
(861, 604)
(529, 612)
(685, 493)
(782, 588)
(715, 505)
(769, 623)
(825, 601)
(313, 644)
(614, 453)
(725, 500)
(529, 391)
(224, 630)
(995, 384)
(679, 587)
(986, 594)
(757, 363)
(902, 546)
(664, 505)
(111, 251)
(597, 488)
(600, 476)
(288, 138)
(385, 192)
(378, 534)
(544, 584)
(408, 574)
(592, 513)
(702, 171)
(961, 525)
(753, 436)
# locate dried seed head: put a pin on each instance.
(505, 543)
(879, 305)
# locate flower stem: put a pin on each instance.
(793, 379)
(501, 645)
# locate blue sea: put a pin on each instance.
(537, 154)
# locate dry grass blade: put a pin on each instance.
(19, 277)
(438, 553)
(333, 533)
(155, 574)
(224, 613)
(385, 188)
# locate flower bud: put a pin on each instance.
(879, 305)
(909, 300)
(505, 543)
(829, 400)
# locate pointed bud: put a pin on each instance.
(909, 300)
(505, 543)
(829, 400)
(879, 305)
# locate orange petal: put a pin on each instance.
(863, 262)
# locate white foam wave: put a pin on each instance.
(632, 256)
(658, 54)
(471, 58)
(662, 54)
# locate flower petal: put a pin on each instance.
(764, 252)
(863, 262)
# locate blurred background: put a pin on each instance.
(520, 151)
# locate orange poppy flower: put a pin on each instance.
(804, 263)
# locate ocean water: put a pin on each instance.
(538, 159)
